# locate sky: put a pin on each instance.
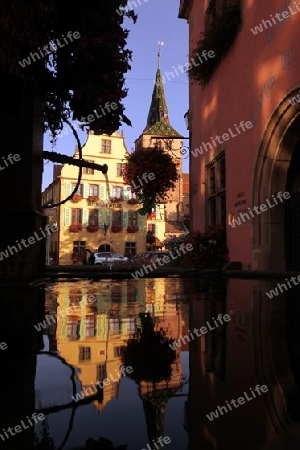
(157, 21)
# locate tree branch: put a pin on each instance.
(64, 159)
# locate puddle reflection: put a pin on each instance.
(74, 370)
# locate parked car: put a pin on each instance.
(150, 256)
(104, 258)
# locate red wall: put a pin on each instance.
(248, 85)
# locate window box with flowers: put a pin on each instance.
(152, 215)
(116, 228)
(132, 201)
(132, 229)
(116, 199)
(92, 228)
(76, 198)
(92, 199)
(75, 227)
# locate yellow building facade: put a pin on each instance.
(103, 213)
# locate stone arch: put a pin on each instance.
(270, 176)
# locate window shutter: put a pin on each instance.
(102, 193)
(85, 190)
(125, 193)
(68, 188)
(110, 191)
(140, 221)
(101, 218)
(125, 219)
(67, 217)
(85, 217)
(108, 217)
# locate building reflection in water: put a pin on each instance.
(90, 338)
(260, 345)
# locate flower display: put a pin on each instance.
(218, 37)
(116, 228)
(92, 228)
(116, 199)
(76, 198)
(150, 160)
(92, 199)
(209, 249)
(131, 229)
(75, 227)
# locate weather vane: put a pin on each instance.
(160, 44)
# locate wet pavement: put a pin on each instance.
(98, 369)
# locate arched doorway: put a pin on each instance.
(277, 170)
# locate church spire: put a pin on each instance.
(158, 117)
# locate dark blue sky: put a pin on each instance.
(157, 21)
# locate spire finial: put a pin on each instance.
(160, 44)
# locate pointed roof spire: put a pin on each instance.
(158, 117)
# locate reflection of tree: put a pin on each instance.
(148, 352)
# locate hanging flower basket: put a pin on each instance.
(92, 199)
(131, 229)
(116, 199)
(75, 227)
(132, 201)
(76, 198)
(92, 228)
(160, 163)
(116, 228)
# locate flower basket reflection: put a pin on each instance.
(75, 227)
(132, 229)
(149, 353)
(76, 198)
(116, 228)
(92, 199)
(92, 228)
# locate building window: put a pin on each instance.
(223, 211)
(93, 189)
(216, 197)
(79, 190)
(87, 170)
(90, 326)
(105, 146)
(114, 326)
(130, 325)
(117, 192)
(117, 351)
(212, 210)
(130, 247)
(222, 174)
(151, 227)
(93, 217)
(76, 215)
(73, 328)
(131, 195)
(78, 247)
(120, 169)
(84, 353)
(101, 373)
(132, 218)
(117, 218)
(212, 180)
